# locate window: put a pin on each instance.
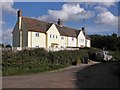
(56, 36)
(72, 38)
(53, 36)
(82, 40)
(62, 47)
(37, 46)
(62, 37)
(37, 34)
(50, 35)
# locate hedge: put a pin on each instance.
(39, 60)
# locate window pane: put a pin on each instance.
(62, 37)
(72, 39)
(37, 34)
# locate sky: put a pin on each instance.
(96, 17)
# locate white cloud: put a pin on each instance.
(104, 3)
(7, 35)
(7, 6)
(108, 4)
(101, 29)
(68, 12)
(106, 17)
(2, 22)
(101, 9)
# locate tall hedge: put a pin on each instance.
(38, 60)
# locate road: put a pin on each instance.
(92, 75)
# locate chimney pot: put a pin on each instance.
(19, 13)
(59, 22)
(83, 28)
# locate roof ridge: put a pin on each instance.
(68, 27)
(36, 19)
(50, 23)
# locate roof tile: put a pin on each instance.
(41, 26)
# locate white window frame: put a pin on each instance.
(37, 34)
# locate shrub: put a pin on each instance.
(39, 60)
(116, 55)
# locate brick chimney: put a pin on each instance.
(59, 22)
(83, 28)
(19, 14)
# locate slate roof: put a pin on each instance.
(42, 26)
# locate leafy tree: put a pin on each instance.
(114, 35)
(8, 46)
(109, 42)
(2, 45)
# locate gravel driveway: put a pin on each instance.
(90, 75)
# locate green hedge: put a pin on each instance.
(39, 60)
(116, 55)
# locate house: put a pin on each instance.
(29, 32)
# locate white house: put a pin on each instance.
(29, 32)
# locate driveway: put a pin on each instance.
(81, 76)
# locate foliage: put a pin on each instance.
(5, 46)
(116, 55)
(8, 46)
(2, 45)
(91, 53)
(109, 42)
(38, 60)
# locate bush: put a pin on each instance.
(39, 60)
(91, 53)
(116, 55)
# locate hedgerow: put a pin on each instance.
(39, 60)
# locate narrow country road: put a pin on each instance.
(90, 75)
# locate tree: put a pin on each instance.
(114, 35)
(2, 45)
(109, 42)
(8, 46)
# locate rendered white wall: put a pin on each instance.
(81, 39)
(88, 43)
(71, 42)
(51, 36)
(34, 41)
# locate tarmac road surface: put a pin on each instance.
(92, 75)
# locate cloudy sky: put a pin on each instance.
(97, 17)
